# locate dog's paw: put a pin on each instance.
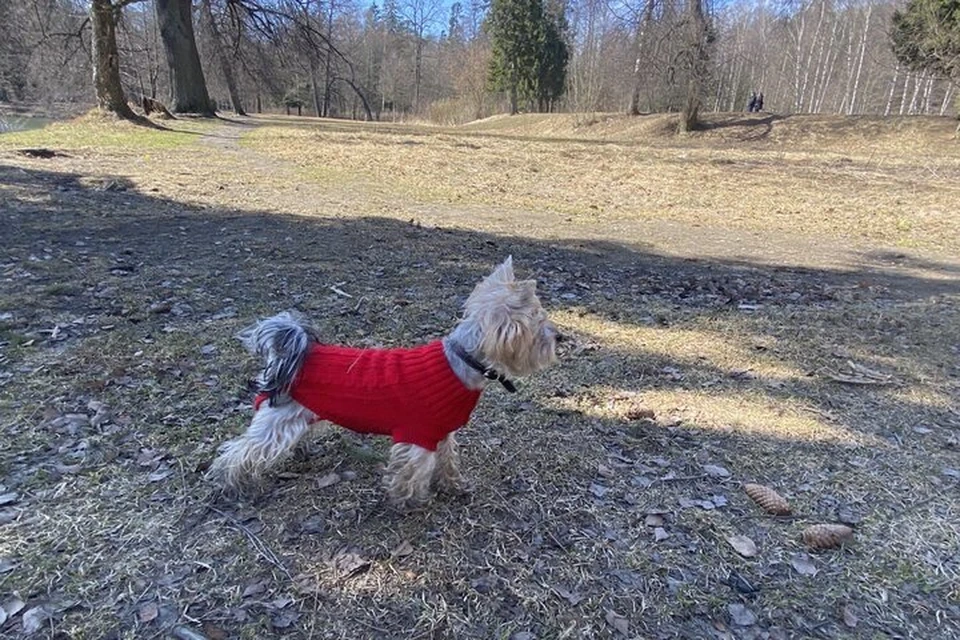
(458, 486)
(408, 505)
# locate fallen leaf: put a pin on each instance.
(402, 550)
(254, 588)
(13, 606)
(741, 584)
(598, 490)
(572, 597)
(159, 476)
(328, 480)
(605, 471)
(284, 619)
(743, 545)
(741, 616)
(654, 520)
(850, 618)
(280, 603)
(660, 534)
(9, 498)
(148, 612)
(716, 471)
(315, 524)
(483, 584)
(3, 616)
(34, 619)
(348, 562)
(803, 564)
(213, 632)
(618, 622)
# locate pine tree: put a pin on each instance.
(552, 72)
(529, 54)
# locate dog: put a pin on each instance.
(418, 396)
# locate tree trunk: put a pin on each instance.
(327, 69)
(927, 92)
(106, 59)
(893, 88)
(187, 85)
(418, 74)
(863, 50)
(917, 80)
(946, 100)
(634, 108)
(808, 67)
(319, 104)
(225, 66)
(697, 52)
(903, 96)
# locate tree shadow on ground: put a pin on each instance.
(756, 128)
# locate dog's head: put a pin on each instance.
(516, 337)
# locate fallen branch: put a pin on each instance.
(258, 544)
(860, 375)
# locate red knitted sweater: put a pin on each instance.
(411, 395)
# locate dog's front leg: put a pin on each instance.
(409, 475)
(449, 478)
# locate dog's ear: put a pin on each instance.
(502, 274)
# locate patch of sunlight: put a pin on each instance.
(746, 413)
(693, 347)
(94, 133)
(921, 396)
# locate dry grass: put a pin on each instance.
(129, 266)
(899, 189)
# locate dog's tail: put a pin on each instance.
(283, 341)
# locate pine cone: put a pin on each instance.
(826, 536)
(770, 500)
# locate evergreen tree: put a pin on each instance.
(529, 54)
(552, 73)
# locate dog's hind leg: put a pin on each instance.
(271, 437)
(410, 475)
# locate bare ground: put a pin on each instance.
(714, 286)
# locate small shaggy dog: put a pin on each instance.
(418, 396)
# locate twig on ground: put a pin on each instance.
(258, 544)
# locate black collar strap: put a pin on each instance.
(487, 372)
